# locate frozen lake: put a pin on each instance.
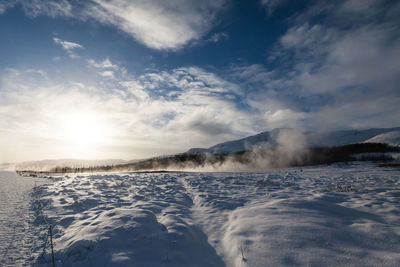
(19, 237)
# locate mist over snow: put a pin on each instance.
(278, 148)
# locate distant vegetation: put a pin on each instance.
(256, 159)
(323, 155)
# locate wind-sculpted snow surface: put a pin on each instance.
(323, 216)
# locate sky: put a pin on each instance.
(123, 79)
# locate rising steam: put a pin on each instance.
(286, 147)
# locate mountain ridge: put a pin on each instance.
(271, 139)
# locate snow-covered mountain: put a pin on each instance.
(296, 137)
(242, 144)
(338, 138)
(391, 138)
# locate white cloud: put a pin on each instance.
(39, 72)
(359, 110)
(51, 8)
(327, 58)
(107, 74)
(363, 57)
(154, 113)
(360, 7)
(159, 24)
(334, 69)
(163, 25)
(284, 117)
(271, 5)
(136, 89)
(108, 69)
(105, 64)
(78, 85)
(343, 67)
(217, 37)
(307, 36)
(142, 117)
(66, 45)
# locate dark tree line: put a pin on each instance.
(310, 156)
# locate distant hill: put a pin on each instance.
(273, 139)
(255, 160)
(277, 148)
(75, 163)
(7, 166)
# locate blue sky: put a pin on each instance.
(134, 79)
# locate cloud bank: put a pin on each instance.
(337, 65)
(141, 116)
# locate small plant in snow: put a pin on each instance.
(242, 250)
(166, 257)
(341, 188)
(265, 182)
(119, 184)
(104, 185)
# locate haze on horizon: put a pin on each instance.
(134, 79)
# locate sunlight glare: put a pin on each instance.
(84, 129)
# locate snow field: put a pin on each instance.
(21, 237)
(314, 216)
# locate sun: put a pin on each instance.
(84, 129)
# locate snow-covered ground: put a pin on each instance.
(20, 231)
(315, 216)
